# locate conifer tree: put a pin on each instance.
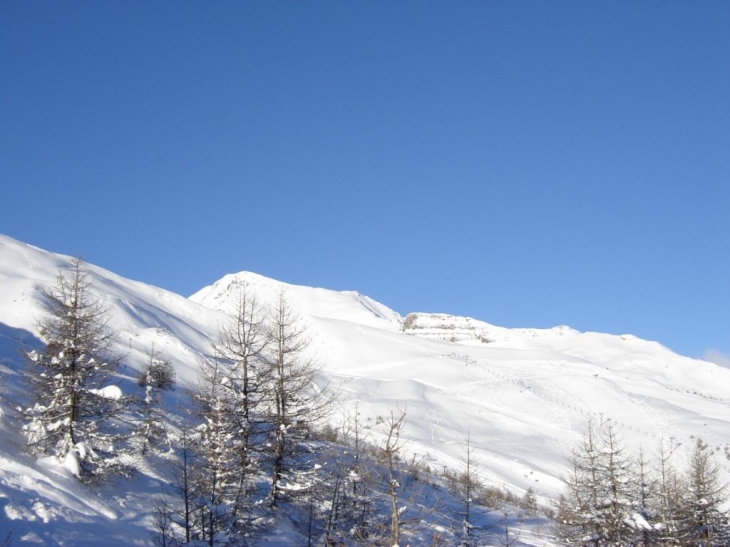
(356, 496)
(618, 482)
(184, 494)
(670, 491)
(295, 404)
(702, 521)
(529, 502)
(158, 376)
(600, 503)
(648, 512)
(72, 417)
(216, 464)
(468, 482)
(240, 345)
(576, 509)
(390, 449)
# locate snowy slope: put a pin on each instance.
(526, 406)
(525, 395)
(140, 314)
(306, 301)
(39, 501)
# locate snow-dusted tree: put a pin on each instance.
(356, 491)
(163, 523)
(322, 496)
(392, 492)
(468, 482)
(179, 507)
(157, 376)
(327, 496)
(507, 537)
(702, 522)
(670, 490)
(296, 403)
(576, 509)
(647, 517)
(73, 408)
(528, 503)
(566, 524)
(389, 452)
(599, 506)
(240, 345)
(619, 497)
(215, 473)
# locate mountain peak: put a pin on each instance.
(351, 306)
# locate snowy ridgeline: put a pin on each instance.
(523, 397)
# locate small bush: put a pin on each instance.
(327, 433)
(492, 496)
(160, 374)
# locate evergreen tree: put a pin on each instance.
(356, 495)
(158, 376)
(599, 508)
(576, 510)
(240, 345)
(295, 404)
(468, 484)
(702, 522)
(670, 491)
(647, 517)
(215, 468)
(618, 507)
(529, 502)
(175, 513)
(72, 416)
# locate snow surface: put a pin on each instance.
(524, 395)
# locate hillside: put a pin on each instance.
(524, 396)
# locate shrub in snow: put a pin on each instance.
(159, 374)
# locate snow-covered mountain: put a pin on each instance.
(523, 395)
(348, 306)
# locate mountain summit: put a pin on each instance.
(307, 301)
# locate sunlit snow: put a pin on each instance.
(523, 396)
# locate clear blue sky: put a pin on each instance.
(525, 163)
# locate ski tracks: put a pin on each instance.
(27, 257)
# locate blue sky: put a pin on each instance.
(525, 163)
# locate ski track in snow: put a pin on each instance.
(29, 260)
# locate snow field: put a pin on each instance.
(524, 397)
